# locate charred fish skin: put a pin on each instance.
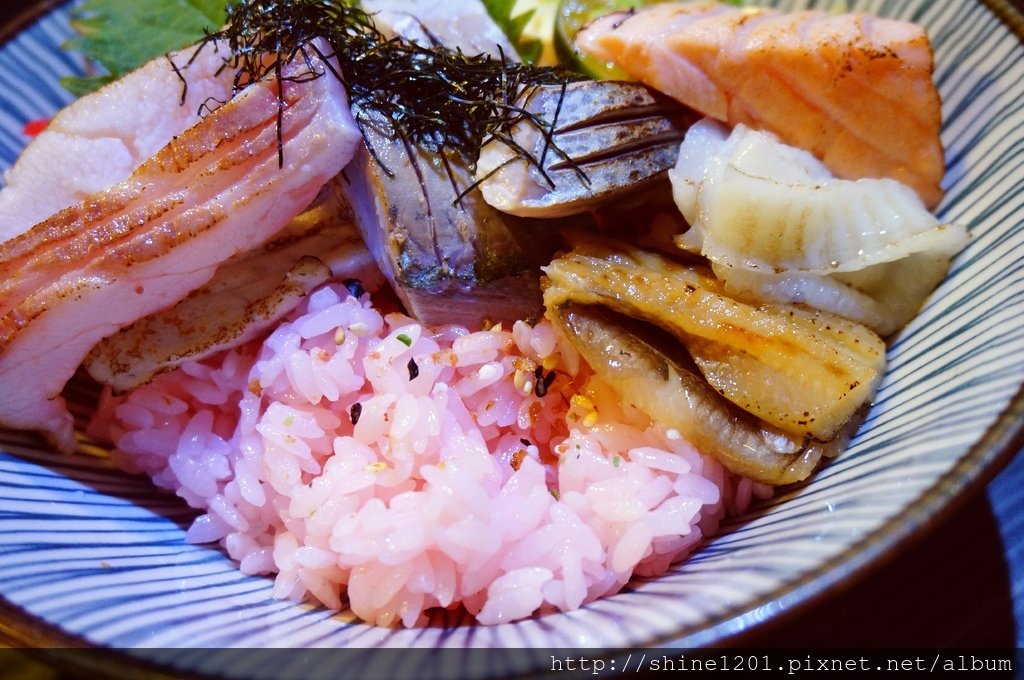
(657, 380)
(586, 144)
(806, 373)
(211, 193)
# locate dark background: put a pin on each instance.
(960, 585)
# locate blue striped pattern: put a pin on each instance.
(32, 69)
(102, 556)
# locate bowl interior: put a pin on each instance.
(100, 557)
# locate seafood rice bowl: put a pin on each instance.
(424, 330)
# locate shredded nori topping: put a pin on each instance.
(355, 287)
(414, 369)
(540, 386)
(434, 97)
(549, 379)
(355, 412)
(542, 383)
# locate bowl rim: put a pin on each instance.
(983, 461)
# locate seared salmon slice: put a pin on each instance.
(853, 89)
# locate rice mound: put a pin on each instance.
(462, 481)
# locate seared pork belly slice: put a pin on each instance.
(100, 139)
(247, 296)
(213, 192)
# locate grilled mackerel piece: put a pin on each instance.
(450, 260)
(467, 259)
(458, 259)
(610, 139)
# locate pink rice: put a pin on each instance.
(460, 486)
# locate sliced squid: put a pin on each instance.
(778, 227)
(884, 297)
(757, 204)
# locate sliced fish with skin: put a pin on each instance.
(247, 296)
(143, 244)
(449, 259)
(465, 23)
(853, 89)
(98, 140)
(660, 381)
(807, 373)
(610, 141)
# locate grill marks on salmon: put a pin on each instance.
(853, 89)
(141, 245)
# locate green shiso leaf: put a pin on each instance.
(501, 11)
(121, 35)
(80, 86)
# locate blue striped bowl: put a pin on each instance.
(91, 556)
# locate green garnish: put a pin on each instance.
(404, 339)
(573, 15)
(501, 12)
(616, 461)
(121, 35)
